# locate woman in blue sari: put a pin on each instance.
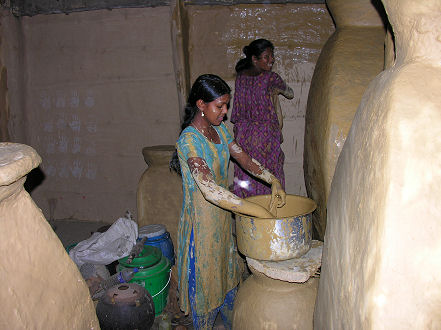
(208, 263)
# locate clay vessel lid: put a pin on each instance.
(16, 160)
(125, 293)
(158, 155)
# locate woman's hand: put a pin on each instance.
(278, 196)
(255, 210)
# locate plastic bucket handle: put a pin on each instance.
(169, 277)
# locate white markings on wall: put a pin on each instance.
(91, 171)
(75, 123)
(60, 101)
(50, 146)
(62, 144)
(90, 149)
(91, 126)
(63, 170)
(61, 122)
(45, 101)
(74, 100)
(76, 147)
(70, 149)
(48, 126)
(49, 169)
(89, 101)
(76, 169)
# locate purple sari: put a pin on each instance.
(256, 130)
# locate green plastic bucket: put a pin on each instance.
(154, 274)
(70, 247)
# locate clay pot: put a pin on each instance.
(286, 237)
(126, 306)
(265, 303)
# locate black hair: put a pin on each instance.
(207, 87)
(255, 48)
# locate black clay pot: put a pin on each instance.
(126, 306)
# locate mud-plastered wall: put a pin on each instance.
(4, 108)
(98, 86)
(350, 59)
(217, 35)
(90, 89)
(382, 252)
(12, 121)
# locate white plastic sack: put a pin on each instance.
(104, 248)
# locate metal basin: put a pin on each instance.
(285, 237)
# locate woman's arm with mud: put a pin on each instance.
(278, 195)
(287, 92)
(220, 196)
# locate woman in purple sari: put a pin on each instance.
(257, 121)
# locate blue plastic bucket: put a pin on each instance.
(159, 237)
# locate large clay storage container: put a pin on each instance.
(159, 195)
(350, 59)
(43, 288)
(266, 303)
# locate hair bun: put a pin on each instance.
(246, 51)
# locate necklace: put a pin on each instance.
(208, 134)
